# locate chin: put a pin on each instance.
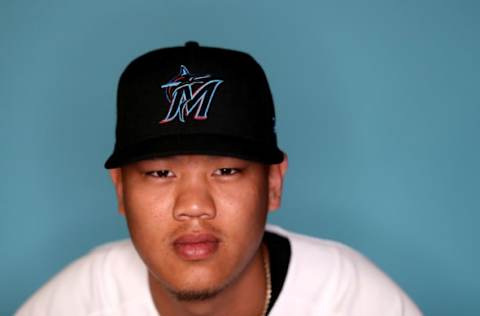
(201, 286)
(196, 295)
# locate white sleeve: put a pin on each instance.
(328, 278)
(71, 292)
(369, 291)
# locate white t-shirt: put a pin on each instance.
(324, 278)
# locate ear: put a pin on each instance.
(116, 175)
(276, 174)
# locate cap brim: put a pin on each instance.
(267, 153)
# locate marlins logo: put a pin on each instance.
(187, 93)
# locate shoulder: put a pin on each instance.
(94, 284)
(332, 278)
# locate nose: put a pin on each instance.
(194, 200)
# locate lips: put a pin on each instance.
(194, 247)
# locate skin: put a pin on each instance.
(229, 198)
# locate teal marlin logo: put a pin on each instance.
(188, 93)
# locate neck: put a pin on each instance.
(244, 296)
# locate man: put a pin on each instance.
(196, 169)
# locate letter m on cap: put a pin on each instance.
(188, 94)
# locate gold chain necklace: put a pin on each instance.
(268, 279)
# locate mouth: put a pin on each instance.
(195, 247)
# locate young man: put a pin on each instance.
(196, 169)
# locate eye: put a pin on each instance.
(226, 171)
(160, 173)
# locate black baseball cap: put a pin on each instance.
(194, 100)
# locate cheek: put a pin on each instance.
(243, 207)
(146, 210)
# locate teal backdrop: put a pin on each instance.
(378, 107)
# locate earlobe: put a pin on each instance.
(116, 175)
(276, 175)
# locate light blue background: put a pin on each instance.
(378, 106)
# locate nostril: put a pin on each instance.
(200, 214)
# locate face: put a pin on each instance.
(197, 221)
